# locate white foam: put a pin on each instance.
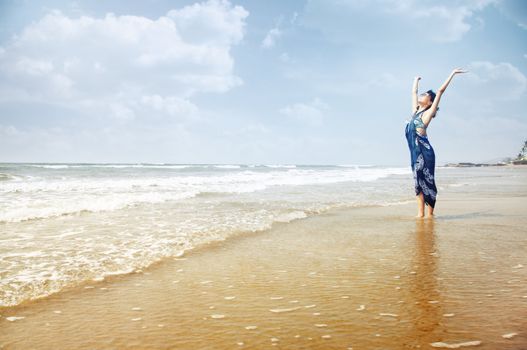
(227, 166)
(14, 318)
(117, 166)
(355, 165)
(288, 217)
(509, 335)
(287, 166)
(76, 193)
(51, 166)
(284, 309)
(455, 345)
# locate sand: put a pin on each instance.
(356, 278)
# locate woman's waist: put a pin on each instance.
(423, 136)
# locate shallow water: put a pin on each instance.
(64, 224)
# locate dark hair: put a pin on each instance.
(432, 95)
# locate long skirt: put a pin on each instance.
(423, 165)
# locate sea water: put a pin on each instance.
(63, 224)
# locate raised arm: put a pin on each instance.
(433, 108)
(415, 87)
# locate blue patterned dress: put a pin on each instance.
(422, 157)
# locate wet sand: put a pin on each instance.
(362, 278)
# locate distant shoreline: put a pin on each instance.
(469, 164)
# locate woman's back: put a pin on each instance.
(420, 126)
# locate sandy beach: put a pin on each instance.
(356, 278)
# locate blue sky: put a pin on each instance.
(303, 82)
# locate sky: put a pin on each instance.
(258, 82)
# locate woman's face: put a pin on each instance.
(424, 99)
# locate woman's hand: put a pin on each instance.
(417, 78)
(458, 70)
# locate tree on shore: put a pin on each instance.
(523, 153)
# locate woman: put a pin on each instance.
(422, 156)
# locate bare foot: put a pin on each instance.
(420, 216)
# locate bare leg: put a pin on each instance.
(420, 205)
(430, 211)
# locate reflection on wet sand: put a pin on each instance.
(425, 304)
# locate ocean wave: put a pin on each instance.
(286, 166)
(48, 263)
(229, 182)
(42, 198)
(36, 210)
(7, 177)
(227, 166)
(117, 166)
(122, 253)
(355, 165)
(50, 166)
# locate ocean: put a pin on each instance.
(64, 224)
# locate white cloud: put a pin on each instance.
(312, 113)
(170, 105)
(277, 31)
(249, 131)
(293, 18)
(284, 57)
(487, 81)
(122, 112)
(445, 23)
(361, 83)
(271, 37)
(515, 10)
(215, 22)
(255, 128)
(351, 20)
(108, 64)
